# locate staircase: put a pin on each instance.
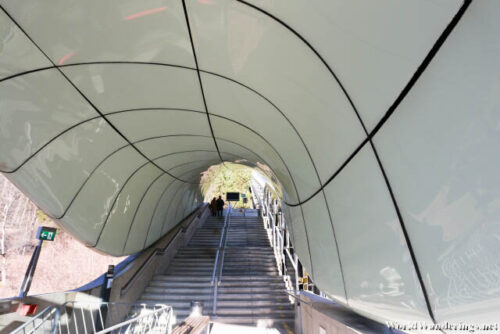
(248, 287)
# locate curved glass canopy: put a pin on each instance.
(380, 119)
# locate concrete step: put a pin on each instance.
(245, 284)
(258, 310)
(227, 273)
(189, 272)
(192, 259)
(176, 304)
(253, 320)
(156, 298)
(255, 296)
(162, 284)
(251, 290)
(180, 278)
(233, 258)
(252, 278)
(176, 290)
(201, 264)
(253, 302)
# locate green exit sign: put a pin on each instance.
(46, 233)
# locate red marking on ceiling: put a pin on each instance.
(144, 13)
(66, 57)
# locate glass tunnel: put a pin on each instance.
(378, 120)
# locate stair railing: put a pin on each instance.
(158, 320)
(100, 318)
(214, 271)
(274, 222)
(219, 264)
(159, 252)
(45, 321)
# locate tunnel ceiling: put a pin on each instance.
(379, 118)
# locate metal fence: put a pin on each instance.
(100, 318)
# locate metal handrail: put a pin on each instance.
(216, 279)
(292, 260)
(224, 247)
(157, 251)
(297, 298)
(150, 324)
(145, 264)
(221, 266)
(216, 262)
(44, 316)
(215, 267)
(90, 317)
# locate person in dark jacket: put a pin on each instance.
(220, 206)
(213, 207)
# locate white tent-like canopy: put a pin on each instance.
(380, 119)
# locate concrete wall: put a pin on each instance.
(317, 315)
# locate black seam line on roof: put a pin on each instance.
(199, 76)
(34, 70)
(225, 118)
(310, 157)
(204, 160)
(47, 143)
(118, 62)
(154, 212)
(101, 62)
(309, 45)
(144, 195)
(168, 213)
(97, 166)
(162, 216)
(172, 109)
(434, 50)
(279, 111)
(85, 121)
(336, 245)
(420, 70)
(293, 182)
(163, 219)
(393, 107)
(165, 215)
(133, 110)
(118, 195)
(180, 202)
(242, 146)
(396, 103)
(161, 231)
(80, 92)
(156, 207)
(86, 98)
(235, 122)
(399, 99)
(114, 202)
(180, 152)
(298, 134)
(137, 210)
(116, 151)
(184, 109)
(186, 202)
(174, 66)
